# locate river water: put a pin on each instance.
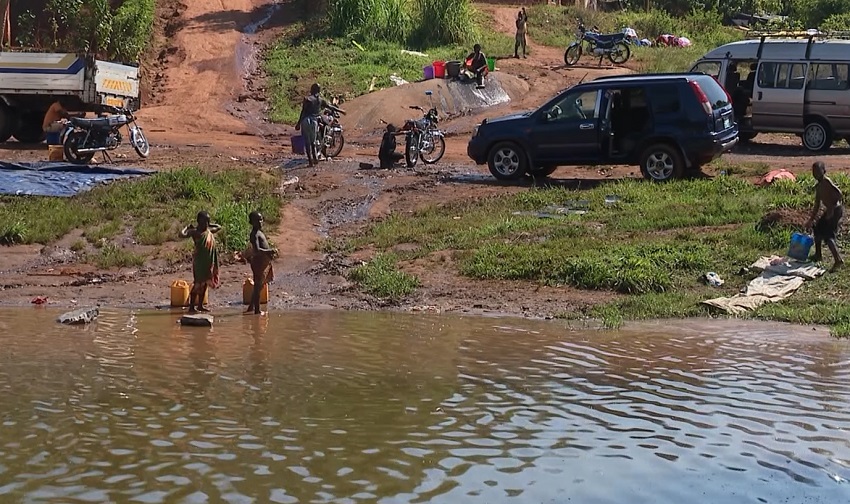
(375, 407)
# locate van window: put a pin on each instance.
(782, 75)
(664, 98)
(829, 76)
(711, 68)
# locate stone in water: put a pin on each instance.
(79, 317)
(197, 320)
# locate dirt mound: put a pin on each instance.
(452, 99)
(784, 218)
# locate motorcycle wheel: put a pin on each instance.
(73, 141)
(435, 153)
(572, 55)
(620, 53)
(411, 151)
(140, 142)
(333, 144)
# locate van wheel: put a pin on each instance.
(817, 136)
(507, 161)
(661, 162)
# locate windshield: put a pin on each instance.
(714, 91)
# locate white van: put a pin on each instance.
(781, 84)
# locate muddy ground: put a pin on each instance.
(205, 107)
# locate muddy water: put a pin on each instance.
(363, 407)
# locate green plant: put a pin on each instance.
(113, 256)
(13, 232)
(380, 278)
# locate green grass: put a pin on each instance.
(652, 246)
(154, 208)
(556, 27)
(113, 256)
(297, 61)
(382, 279)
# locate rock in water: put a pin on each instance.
(79, 317)
(197, 320)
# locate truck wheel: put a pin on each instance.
(7, 123)
(817, 136)
(507, 161)
(661, 162)
(29, 130)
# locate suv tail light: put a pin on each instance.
(701, 97)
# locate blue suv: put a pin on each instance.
(667, 124)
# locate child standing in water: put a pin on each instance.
(260, 256)
(205, 262)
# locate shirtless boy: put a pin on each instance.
(826, 227)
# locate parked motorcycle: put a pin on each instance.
(422, 138)
(86, 137)
(613, 45)
(330, 137)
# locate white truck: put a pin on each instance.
(31, 81)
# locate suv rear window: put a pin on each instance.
(713, 90)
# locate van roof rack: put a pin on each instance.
(809, 35)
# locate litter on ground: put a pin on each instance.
(780, 278)
(774, 175)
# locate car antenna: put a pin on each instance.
(585, 77)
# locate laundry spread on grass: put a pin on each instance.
(58, 179)
(780, 278)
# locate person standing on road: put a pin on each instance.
(521, 33)
(826, 227)
(308, 122)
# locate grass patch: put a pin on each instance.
(556, 26)
(653, 245)
(382, 279)
(111, 255)
(296, 61)
(153, 207)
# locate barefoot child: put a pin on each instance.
(826, 227)
(205, 262)
(259, 256)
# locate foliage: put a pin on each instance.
(116, 30)
(651, 247)
(153, 208)
(417, 23)
(382, 279)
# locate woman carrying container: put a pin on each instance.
(308, 123)
(259, 255)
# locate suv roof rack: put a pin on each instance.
(652, 75)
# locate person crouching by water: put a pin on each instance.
(826, 227)
(205, 260)
(476, 62)
(260, 256)
(387, 154)
(308, 122)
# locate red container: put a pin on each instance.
(297, 144)
(439, 69)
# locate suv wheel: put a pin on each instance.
(661, 162)
(543, 171)
(507, 161)
(817, 136)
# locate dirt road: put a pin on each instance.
(205, 110)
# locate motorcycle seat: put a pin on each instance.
(101, 122)
(608, 37)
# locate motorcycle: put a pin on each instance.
(86, 137)
(613, 45)
(330, 137)
(422, 138)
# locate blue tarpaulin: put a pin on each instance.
(58, 179)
